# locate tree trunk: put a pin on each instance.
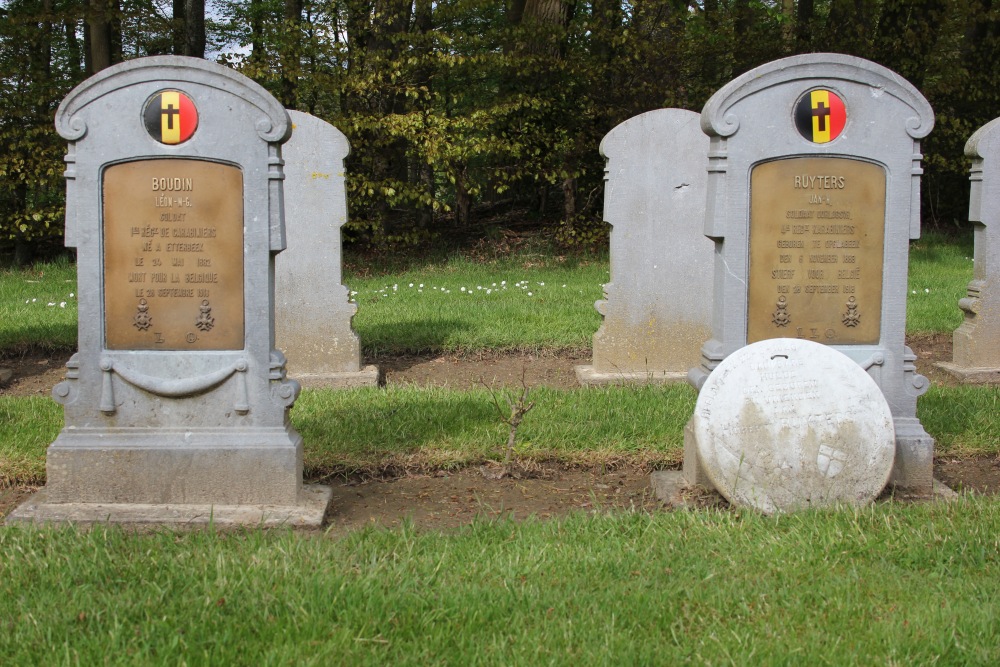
(289, 53)
(804, 17)
(99, 22)
(73, 54)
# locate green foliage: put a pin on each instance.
(459, 109)
(31, 202)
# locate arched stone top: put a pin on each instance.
(612, 143)
(983, 139)
(274, 126)
(716, 119)
(335, 142)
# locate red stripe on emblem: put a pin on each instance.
(838, 116)
(189, 117)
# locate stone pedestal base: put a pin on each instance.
(589, 376)
(967, 375)
(693, 473)
(366, 377)
(307, 512)
(913, 467)
(203, 466)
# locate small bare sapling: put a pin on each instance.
(519, 406)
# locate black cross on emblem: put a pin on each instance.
(821, 112)
(170, 112)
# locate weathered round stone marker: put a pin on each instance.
(786, 424)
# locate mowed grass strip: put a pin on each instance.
(412, 428)
(522, 303)
(28, 425)
(940, 270)
(38, 307)
(409, 428)
(887, 584)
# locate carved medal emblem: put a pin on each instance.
(820, 116)
(170, 117)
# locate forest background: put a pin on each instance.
(462, 112)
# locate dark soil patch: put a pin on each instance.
(451, 499)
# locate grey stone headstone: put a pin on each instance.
(787, 424)
(658, 306)
(176, 405)
(752, 125)
(976, 354)
(313, 310)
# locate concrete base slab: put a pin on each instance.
(971, 375)
(589, 376)
(308, 513)
(366, 377)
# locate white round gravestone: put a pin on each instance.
(785, 424)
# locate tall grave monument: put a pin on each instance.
(656, 313)
(813, 197)
(976, 353)
(176, 404)
(312, 308)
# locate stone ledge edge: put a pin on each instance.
(588, 376)
(308, 513)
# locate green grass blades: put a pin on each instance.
(887, 584)
(940, 270)
(965, 421)
(413, 428)
(522, 303)
(27, 426)
(38, 307)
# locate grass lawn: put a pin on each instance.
(887, 584)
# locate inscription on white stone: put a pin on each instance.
(786, 424)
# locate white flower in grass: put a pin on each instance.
(503, 282)
(529, 294)
(926, 291)
(914, 291)
(71, 295)
(421, 285)
(479, 287)
(52, 303)
(463, 289)
(489, 291)
(62, 304)
(541, 284)
(411, 284)
(564, 286)
(34, 300)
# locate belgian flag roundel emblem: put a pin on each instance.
(820, 116)
(170, 117)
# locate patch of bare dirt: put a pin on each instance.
(451, 499)
(36, 374)
(981, 475)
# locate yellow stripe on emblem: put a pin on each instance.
(170, 117)
(820, 104)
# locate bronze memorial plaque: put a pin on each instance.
(173, 256)
(816, 238)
